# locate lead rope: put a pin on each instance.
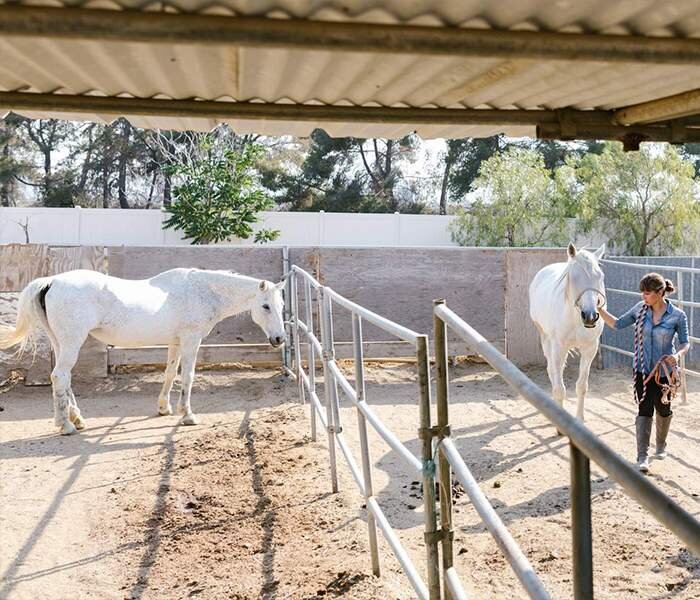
(639, 354)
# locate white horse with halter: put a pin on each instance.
(564, 302)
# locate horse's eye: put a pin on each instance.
(266, 306)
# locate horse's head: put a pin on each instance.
(267, 311)
(586, 283)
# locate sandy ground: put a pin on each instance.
(240, 506)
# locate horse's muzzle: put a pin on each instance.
(589, 319)
(277, 341)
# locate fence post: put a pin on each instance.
(582, 558)
(286, 350)
(425, 433)
(364, 444)
(684, 387)
(311, 355)
(327, 343)
(444, 469)
(293, 281)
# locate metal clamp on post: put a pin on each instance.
(435, 431)
(335, 429)
(328, 355)
(433, 537)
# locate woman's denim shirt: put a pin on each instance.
(658, 339)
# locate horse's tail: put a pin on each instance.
(31, 316)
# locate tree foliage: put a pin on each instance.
(517, 203)
(645, 201)
(217, 197)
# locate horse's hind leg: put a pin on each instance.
(587, 357)
(188, 356)
(64, 401)
(164, 407)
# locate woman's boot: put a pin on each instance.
(662, 426)
(643, 425)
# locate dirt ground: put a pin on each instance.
(239, 506)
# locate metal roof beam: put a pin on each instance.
(662, 109)
(551, 124)
(161, 27)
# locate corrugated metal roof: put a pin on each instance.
(274, 75)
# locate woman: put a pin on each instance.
(656, 323)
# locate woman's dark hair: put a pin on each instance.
(653, 282)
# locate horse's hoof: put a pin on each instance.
(189, 419)
(68, 428)
(164, 411)
(79, 423)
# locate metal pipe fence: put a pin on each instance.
(585, 446)
(334, 383)
(681, 302)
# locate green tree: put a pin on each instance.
(645, 202)
(217, 196)
(517, 204)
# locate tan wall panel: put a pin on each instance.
(523, 345)
(20, 263)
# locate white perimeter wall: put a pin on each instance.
(133, 227)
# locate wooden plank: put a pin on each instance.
(68, 258)
(20, 263)
(522, 339)
(402, 284)
(220, 353)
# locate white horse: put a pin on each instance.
(176, 308)
(564, 301)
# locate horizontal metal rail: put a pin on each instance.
(455, 585)
(401, 555)
(384, 432)
(383, 323)
(664, 509)
(646, 267)
(518, 561)
(313, 281)
(334, 379)
(677, 301)
(618, 350)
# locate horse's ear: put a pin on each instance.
(263, 285)
(599, 252)
(281, 284)
(571, 250)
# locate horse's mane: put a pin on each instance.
(567, 270)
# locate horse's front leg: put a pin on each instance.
(164, 407)
(188, 356)
(587, 356)
(556, 359)
(74, 412)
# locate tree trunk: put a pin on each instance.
(123, 159)
(5, 189)
(443, 191)
(167, 192)
(105, 185)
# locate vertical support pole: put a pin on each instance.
(293, 281)
(364, 444)
(311, 355)
(444, 469)
(581, 524)
(286, 350)
(429, 509)
(327, 344)
(691, 316)
(335, 406)
(684, 387)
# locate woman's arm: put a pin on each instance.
(609, 319)
(683, 341)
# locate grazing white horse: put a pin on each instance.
(176, 308)
(564, 301)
